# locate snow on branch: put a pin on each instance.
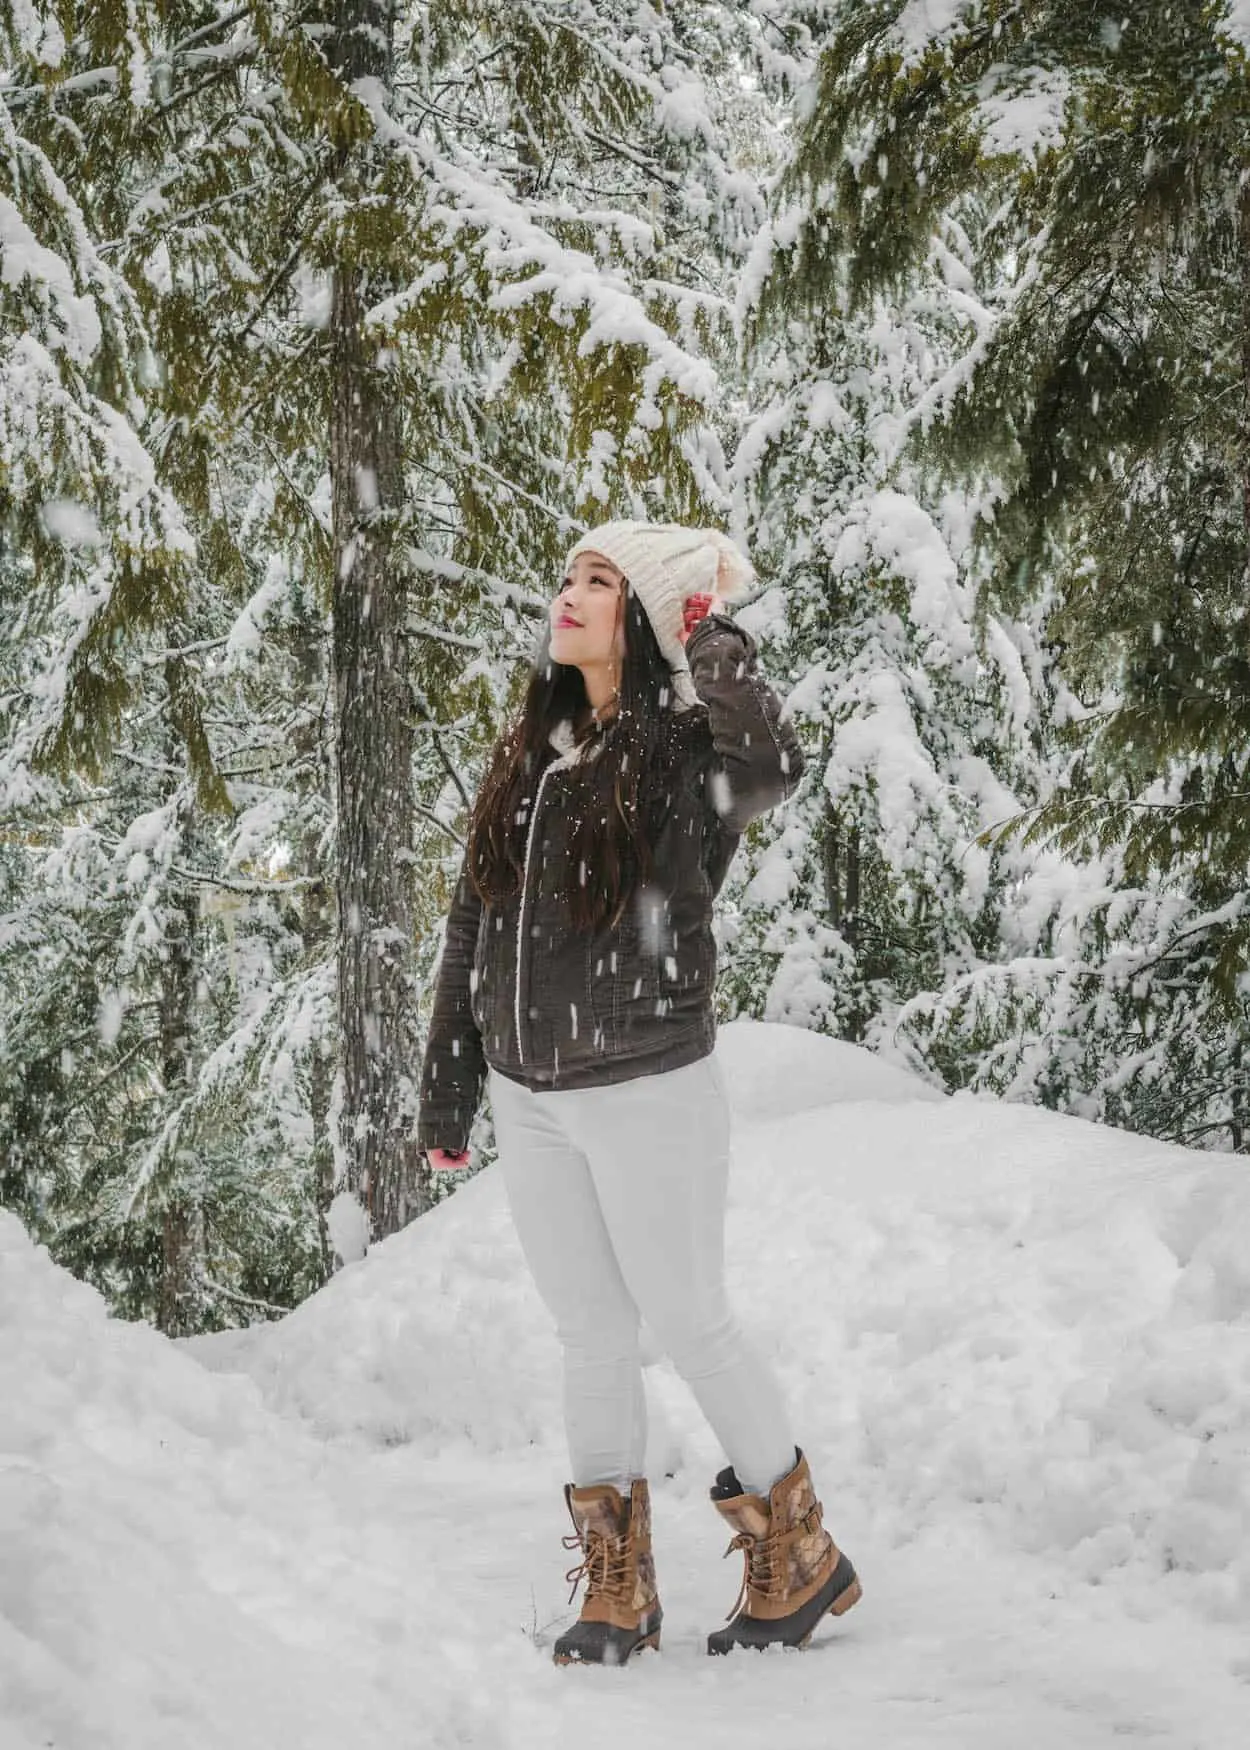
(288, 1018)
(528, 262)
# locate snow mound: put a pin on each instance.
(774, 1071)
(1017, 1348)
(179, 1566)
(436, 1337)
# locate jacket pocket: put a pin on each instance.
(615, 983)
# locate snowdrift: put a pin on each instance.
(176, 1567)
(772, 1073)
(1018, 1350)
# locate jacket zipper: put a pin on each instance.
(520, 918)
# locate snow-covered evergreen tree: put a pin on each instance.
(921, 705)
(1101, 410)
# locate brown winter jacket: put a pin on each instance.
(520, 990)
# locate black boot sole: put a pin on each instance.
(839, 1592)
(599, 1643)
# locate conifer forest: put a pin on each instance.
(326, 327)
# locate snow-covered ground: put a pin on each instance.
(1018, 1348)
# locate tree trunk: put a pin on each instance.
(179, 1301)
(373, 727)
(840, 871)
(316, 911)
(1239, 1101)
(179, 1304)
(1243, 242)
(850, 914)
(831, 873)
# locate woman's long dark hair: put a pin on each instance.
(620, 788)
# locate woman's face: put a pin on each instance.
(587, 626)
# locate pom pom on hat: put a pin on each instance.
(666, 563)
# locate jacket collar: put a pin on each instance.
(561, 738)
(569, 751)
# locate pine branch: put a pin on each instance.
(224, 21)
(78, 84)
(177, 653)
(170, 223)
(216, 1289)
(288, 884)
(429, 814)
(449, 766)
(327, 537)
(150, 1042)
(618, 149)
(465, 79)
(458, 640)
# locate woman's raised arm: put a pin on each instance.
(757, 760)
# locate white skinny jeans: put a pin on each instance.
(618, 1196)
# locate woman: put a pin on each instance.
(578, 972)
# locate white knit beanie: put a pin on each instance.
(665, 564)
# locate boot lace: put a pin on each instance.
(604, 1567)
(764, 1567)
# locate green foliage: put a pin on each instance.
(910, 688)
(1061, 191)
(536, 209)
(1105, 406)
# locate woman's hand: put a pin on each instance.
(448, 1160)
(697, 608)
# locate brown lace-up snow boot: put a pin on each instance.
(794, 1571)
(621, 1610)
